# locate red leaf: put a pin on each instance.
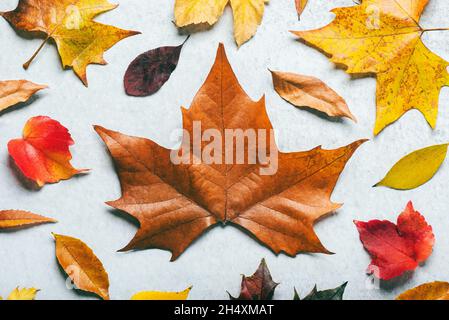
(43, 154)
(395, 249)
(259, 286)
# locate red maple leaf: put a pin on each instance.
(395, 249)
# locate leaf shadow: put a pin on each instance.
(323, 115)
(21, 105)
(390, 285)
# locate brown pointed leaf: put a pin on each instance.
(82, 265)
(150, 70)
(12, 219)
(277, 198)
(306, 91)
(259, 286)
(13, 92)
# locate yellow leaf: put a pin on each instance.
(157, 295)
(247, 15)
(415, 168)
(437, 290)
(383, 37)
(82, 266)
(79, 39)
(23, 294)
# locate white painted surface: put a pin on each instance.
(214, 263)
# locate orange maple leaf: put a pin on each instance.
(176, 202)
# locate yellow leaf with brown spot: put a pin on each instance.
(247, 15)
(383, 38)
(159, 295)
(437, 290)
(13, 92)
(82, 265)
(80, 40)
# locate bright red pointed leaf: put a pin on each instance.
(395, 249)
(43, 154)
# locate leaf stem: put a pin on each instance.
(436, 29)
(26, 65)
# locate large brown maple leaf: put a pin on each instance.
(176, 203)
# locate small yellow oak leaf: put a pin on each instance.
(80, 40)
(383, 37)
(247, 15)
(158, 295)
(23, 294)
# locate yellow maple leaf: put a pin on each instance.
(383, 37)
(22, 294)
(158, 295)
(247, 15)
(80, 40)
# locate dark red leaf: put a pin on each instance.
(150, 70)
(259, 286)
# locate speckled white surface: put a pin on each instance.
(215, 262)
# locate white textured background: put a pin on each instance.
(215, 262)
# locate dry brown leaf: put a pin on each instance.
(82, 265)
(13, 92)
(176, 203)
(307, 91)
(10, 219)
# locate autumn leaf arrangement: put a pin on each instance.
(175, 202)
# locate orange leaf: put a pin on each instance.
(306, 91)
(82, 265)
(20, 219)
(277, 199)
(43, 154)
(14, 91)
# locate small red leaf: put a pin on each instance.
(395, 249)
(43, 154)
(259, 286)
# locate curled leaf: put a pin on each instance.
(13, 92)
(396, 248)
(437, 290)
(158, 295)
(415, 169)
(150, 70)
(10, 219)
(82, 265)
(306, 91)
(43, 153)
(259, 286)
